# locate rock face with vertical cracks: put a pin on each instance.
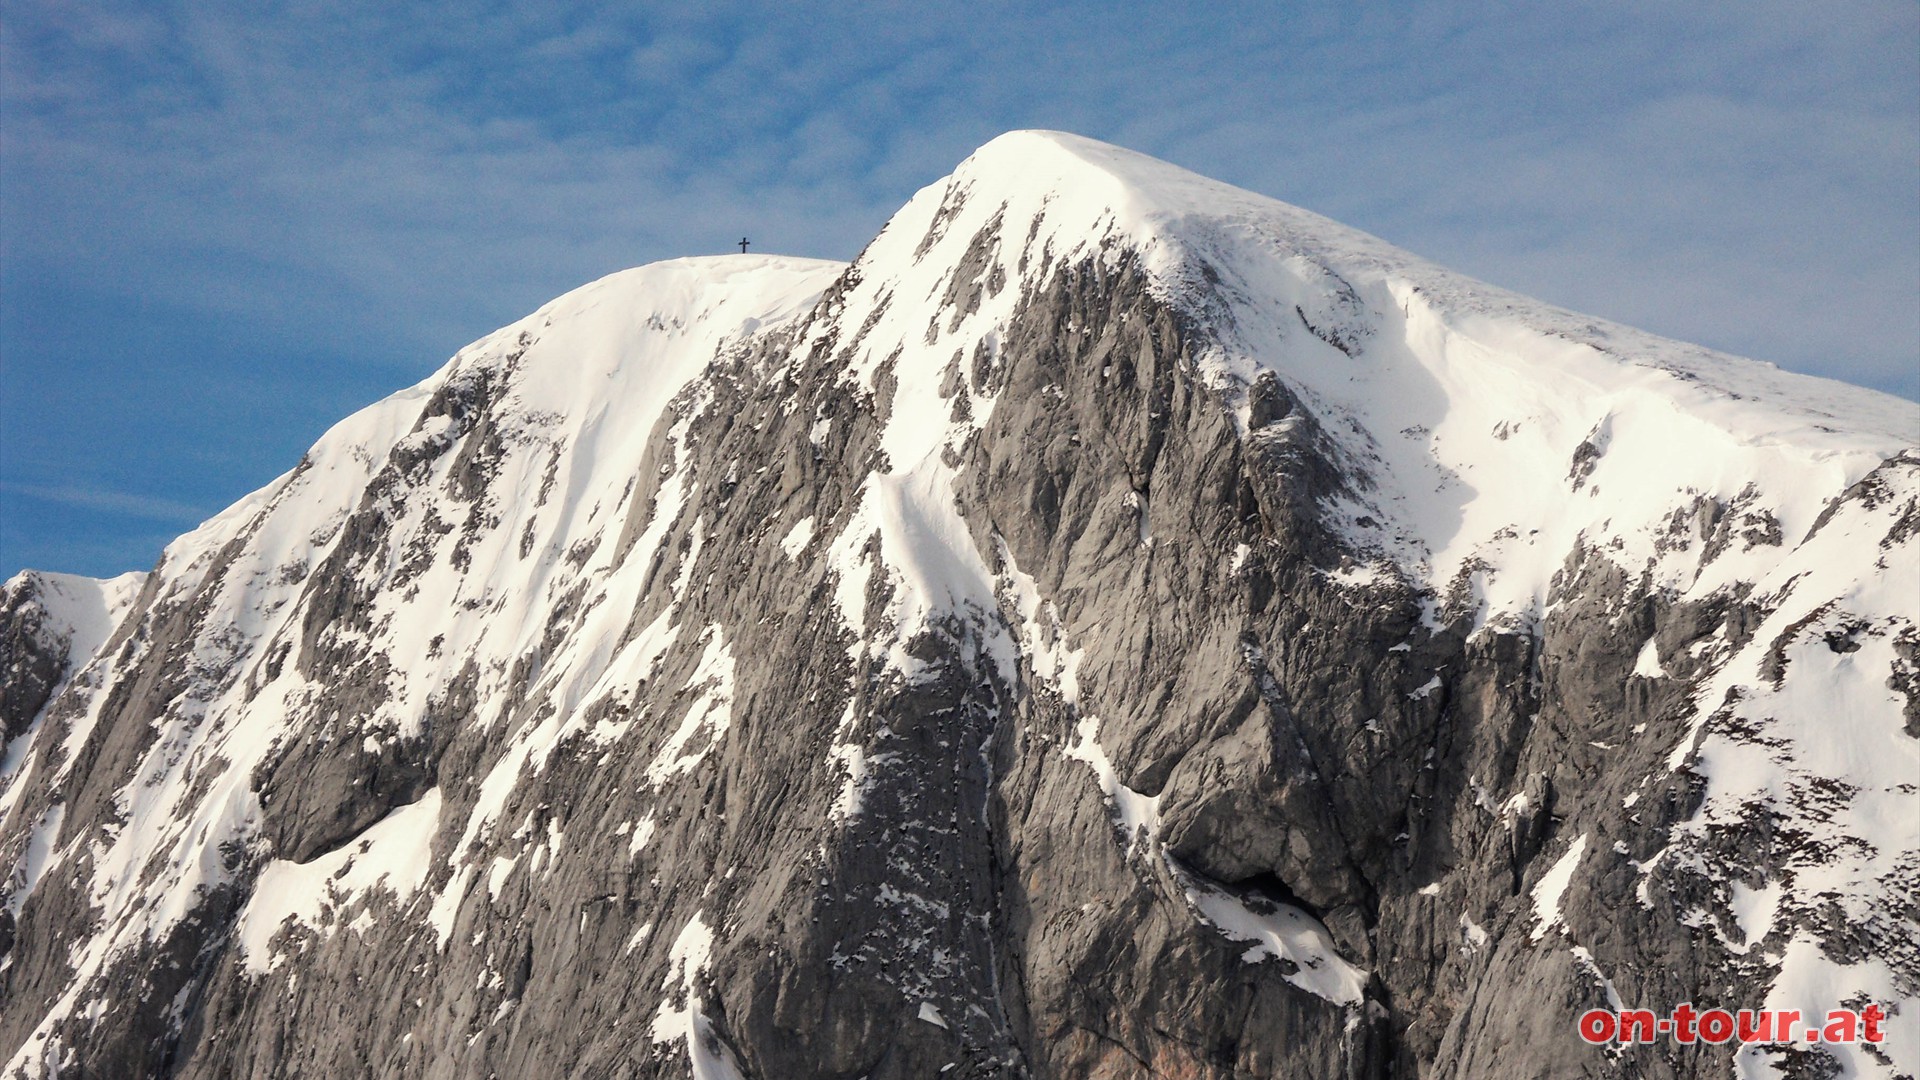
(33, 655)
(1120, 626)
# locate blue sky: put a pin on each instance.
(225, 226)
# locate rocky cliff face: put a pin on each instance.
(1119, 626)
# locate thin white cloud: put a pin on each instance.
(314, 154)
(121, 503)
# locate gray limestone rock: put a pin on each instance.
(1119, 748)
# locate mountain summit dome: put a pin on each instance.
(1120, 625)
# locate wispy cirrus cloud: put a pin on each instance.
(120, 503)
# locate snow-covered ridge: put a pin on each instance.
(466, 574)
(76, 617)
(1491, 434)
(1097, 191)
(571, 373)
(82, 610)
(518, 620)
(1490, 442)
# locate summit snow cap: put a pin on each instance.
(1483, 432)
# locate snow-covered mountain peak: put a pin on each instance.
(1119, 619)
(1482, 432)
(1208, 242)
(598, 362)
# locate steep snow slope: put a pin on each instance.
(1465, 412)
(1487, 444)
(51, 625)
(580, 385)
(1120, 625)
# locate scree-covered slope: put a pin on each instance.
(1121, 625)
